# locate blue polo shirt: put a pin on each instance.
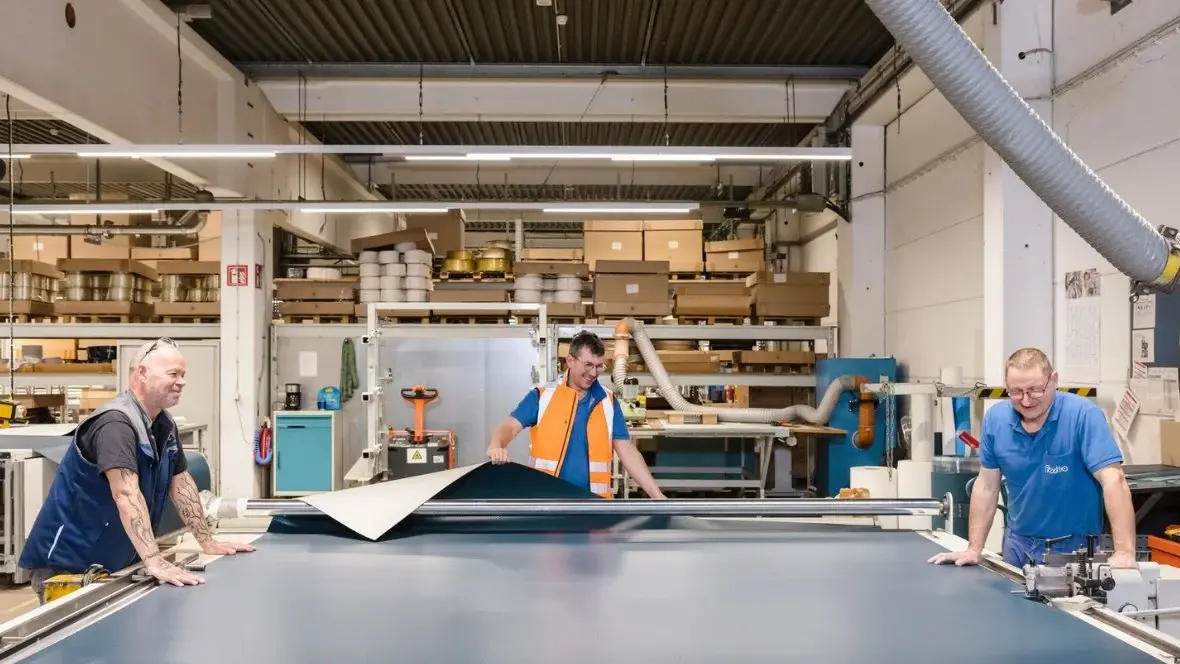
(576, 467)
(1050, 474)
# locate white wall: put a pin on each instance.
(1122, 121)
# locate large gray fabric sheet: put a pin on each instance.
(675, 591)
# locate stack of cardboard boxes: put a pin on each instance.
(789, 294)
(631, 288)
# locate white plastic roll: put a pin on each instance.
(416, 283)
(391, 295)
(528, 282)
(368, 256)
(527, 296)
(415, 295)
(418, 270)
(568, 282)
(387, 256)
(880, 483)
(393, 270)
(567, 296)
(403, 247)
(370, 270)
(921, 427)
(549, 284)
(367, 296)
(389, 282)
(547, 296)
(323, 273)
(913, 481)
(370, 283)
(417, 257)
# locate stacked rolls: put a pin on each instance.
(401, 274)
(562, 288)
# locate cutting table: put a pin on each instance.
(578, 583)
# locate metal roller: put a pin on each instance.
(698, 508)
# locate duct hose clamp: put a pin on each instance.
(1166, 281)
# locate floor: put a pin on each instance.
(16, 600)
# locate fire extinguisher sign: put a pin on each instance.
(237, 275)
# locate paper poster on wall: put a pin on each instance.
(1083, 326)
(1124, 418)
(1143, 313)
(1158, 391)
(307, 364)
(1143, 346)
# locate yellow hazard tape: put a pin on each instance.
(1002, 393)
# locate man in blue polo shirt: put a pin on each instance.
(1059, 459)
(570, 446)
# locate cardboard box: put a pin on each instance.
(632, 288)
(302, 290)
(445, 231)
(551, 267)
(790, 294)
(1169, 442)
(741, 256)
(469, 295)
(681, 243)
(542, 254)
(712, 305)
(387, 241)
(612, 240)
(41, 248)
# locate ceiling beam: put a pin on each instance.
(565, 174)
(285, 70)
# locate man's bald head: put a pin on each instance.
(157, 375)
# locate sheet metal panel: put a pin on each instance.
(683, 593)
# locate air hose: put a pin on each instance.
(668, 390)
(264, 453)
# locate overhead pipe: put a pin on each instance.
(1008, 125)
(181, 227)
(634, 329)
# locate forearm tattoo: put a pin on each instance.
(188, 503)
(134, 512)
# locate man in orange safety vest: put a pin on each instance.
(576, 426)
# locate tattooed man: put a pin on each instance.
(124, 465)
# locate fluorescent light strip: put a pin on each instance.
(178, 155)
(15, 156)
(469, 157)
(618, 210)
(328, 209)
(85, 210)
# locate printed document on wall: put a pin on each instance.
(1143, 313)
(1143, 346)
(1083, 326)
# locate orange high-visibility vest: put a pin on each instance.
(555, 420)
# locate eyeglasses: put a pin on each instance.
(1035, 393)
(597, 366)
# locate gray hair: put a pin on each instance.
(138, 357)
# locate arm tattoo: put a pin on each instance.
(134, 513)
(188, 503)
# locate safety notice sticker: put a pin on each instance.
(415, 456)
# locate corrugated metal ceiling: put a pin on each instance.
(673, 32)
(556, 192)
(44, 132)
(559, 133)
(134, 190)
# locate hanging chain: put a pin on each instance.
(179, 85)
(667, 136)
(421, 104)
(888, 395)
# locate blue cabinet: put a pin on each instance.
(306, 453)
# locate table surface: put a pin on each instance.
(649, 590)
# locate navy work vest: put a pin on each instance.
(79, 524)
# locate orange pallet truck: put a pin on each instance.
(418, 450)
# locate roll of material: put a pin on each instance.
(417, 270)
(415, 295)
(569, 282)
(369, 295)
(370, 270)
(393, 270)
(913, 481)
(568, 296)
(370, 283)
(387, 257)
(416, 283)
(921, 427)
(323, 273)
(528, 282)
(389, 282)
(527, 296)
(880, 483)
(417, 257)
(403, 247)
(549, 283)
(547, 296)
(392, 295)
(368, 256)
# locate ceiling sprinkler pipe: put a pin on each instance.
(1008, 125)
(819, 415)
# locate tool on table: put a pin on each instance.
(633, 403)
(417, 450)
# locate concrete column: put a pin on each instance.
(1017, 226)
(246, 253)
(861, 301)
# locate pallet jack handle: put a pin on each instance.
(418, 396)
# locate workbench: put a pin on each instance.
(577, 589)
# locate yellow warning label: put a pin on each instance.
(1001, 393)
(415, 456)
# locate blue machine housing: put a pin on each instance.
(837, 455)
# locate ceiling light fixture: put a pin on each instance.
(359, 207)
(176, 154)
(83, 209)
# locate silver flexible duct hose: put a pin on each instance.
(819, 415)
(1009, 126)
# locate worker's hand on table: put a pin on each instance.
(166, 572)
(1121, 559)
(219, 548)
(497, 454)
(959, 558)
